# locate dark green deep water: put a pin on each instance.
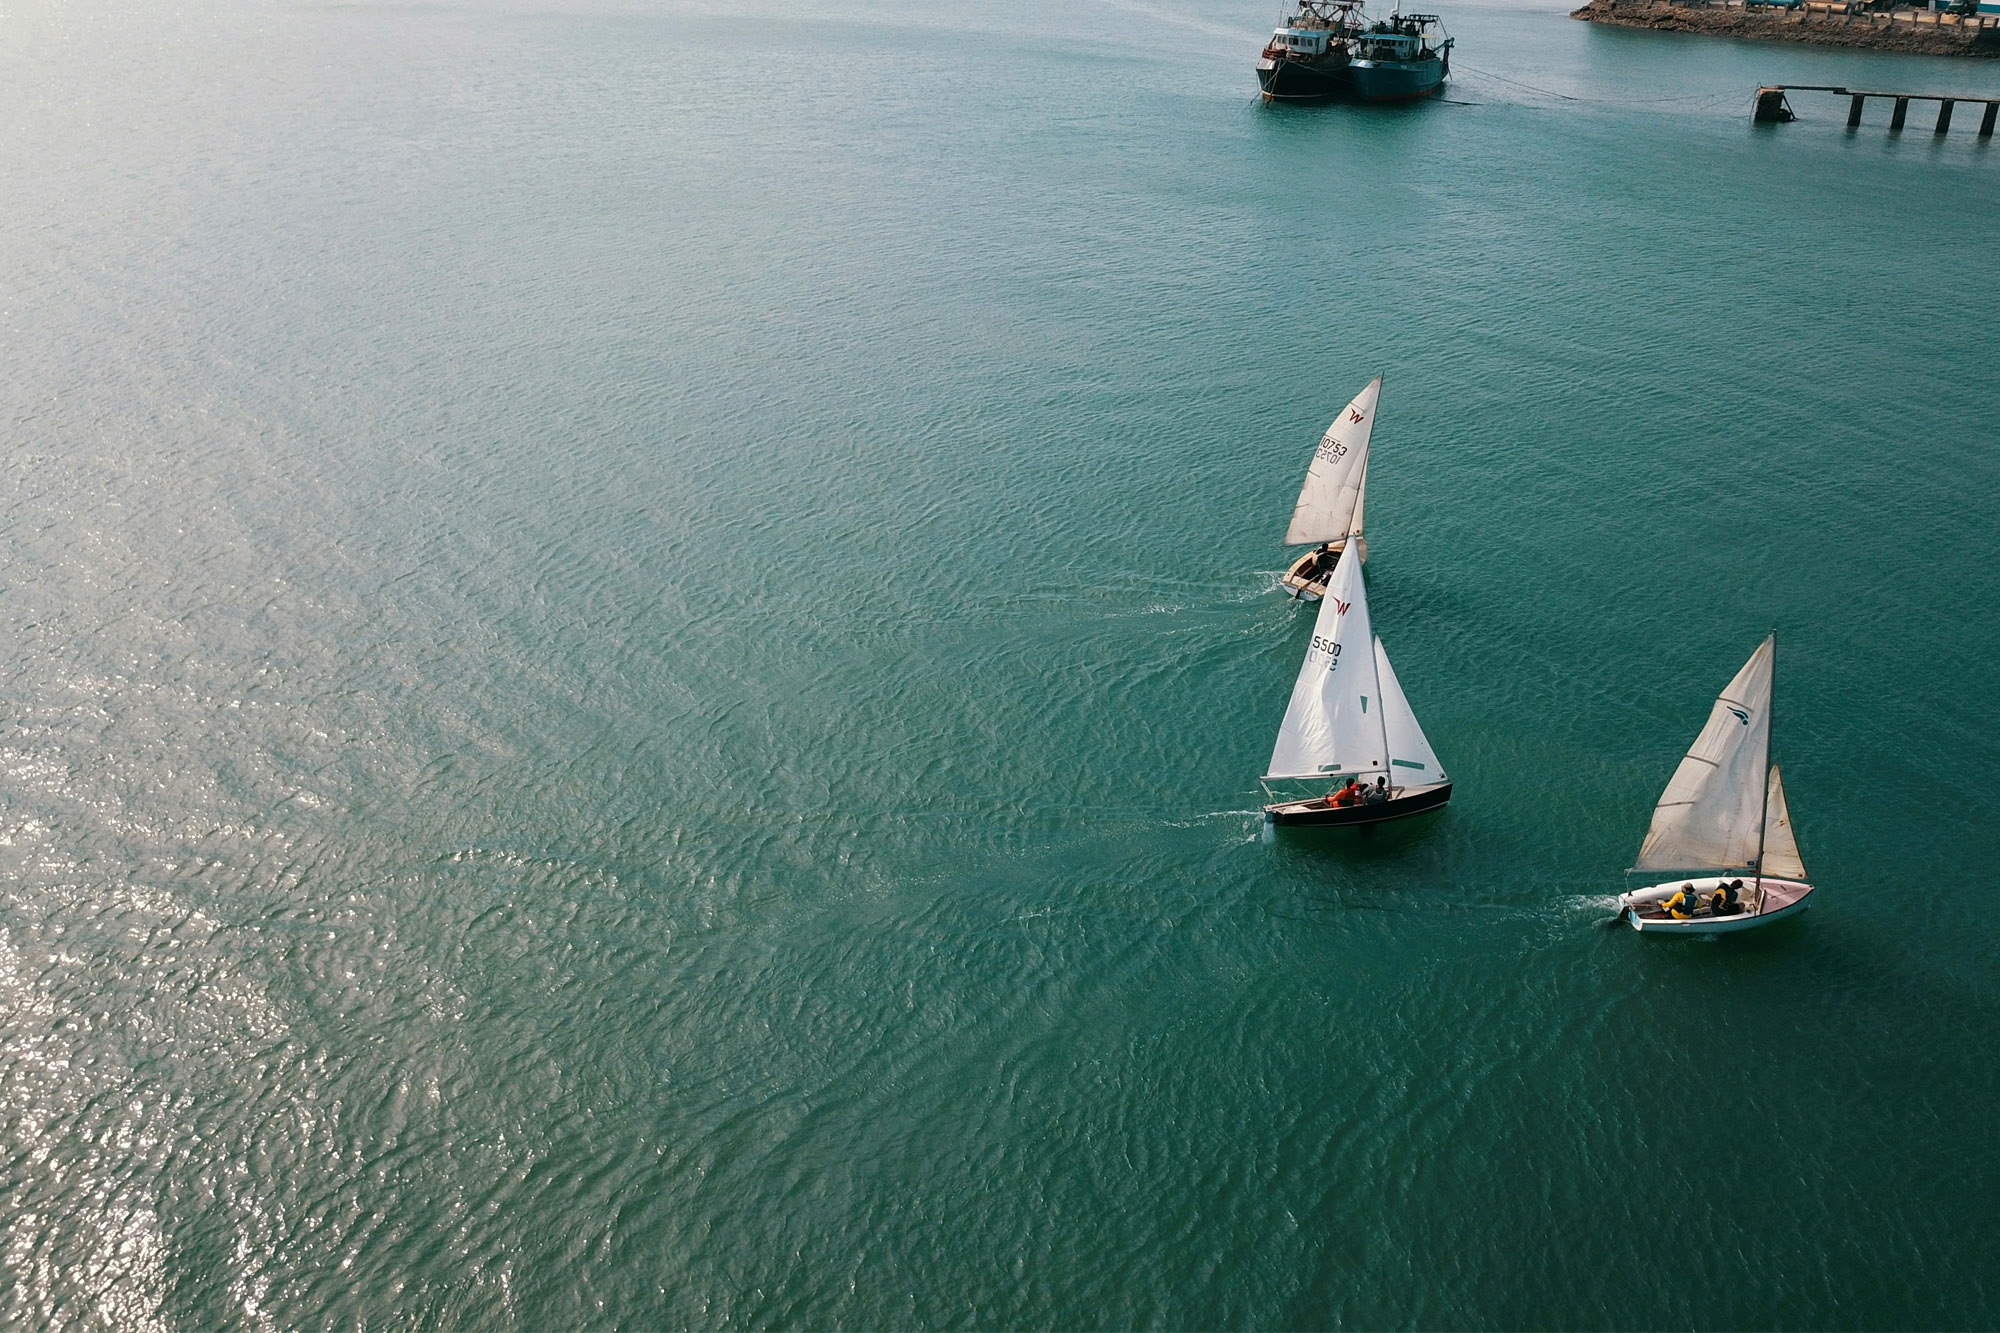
(637, 642)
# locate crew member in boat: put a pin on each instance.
(1723, 901)
(1322, 569)
(1351, 794)
(1684, 904)
(1378, 794)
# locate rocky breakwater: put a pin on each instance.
(1913, 30)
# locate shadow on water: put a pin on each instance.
(1370, 121)
(1366, 845)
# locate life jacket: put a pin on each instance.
(1347, 796)
(1681, 906)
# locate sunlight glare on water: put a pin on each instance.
(639, 638)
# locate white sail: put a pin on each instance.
(1712, 814)
(1335, 725)
(1412, 762)
(1781, 845)
(1329, 505)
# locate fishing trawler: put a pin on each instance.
(1306, 59)
(1401, 59)
(1335, 492)
(1349, 723)
(1329, 50)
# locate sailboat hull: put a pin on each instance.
(1308, 584)
(1319, 813)
(1783, 898)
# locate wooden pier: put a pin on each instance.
(1771, 108)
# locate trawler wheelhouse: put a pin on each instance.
(1387, 46)
(1296, 42)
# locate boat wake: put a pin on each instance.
(1253, 817)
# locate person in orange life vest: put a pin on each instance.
(1348, 795)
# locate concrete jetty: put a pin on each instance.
(1772, 108)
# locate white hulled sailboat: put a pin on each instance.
(1348, 719)
(1722, 817)
(1328, 513)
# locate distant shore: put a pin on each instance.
(1914, 31)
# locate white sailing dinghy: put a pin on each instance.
(1348, 719)
(1723, 817)
(1335, 492)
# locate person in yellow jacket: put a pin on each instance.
(1681, 907)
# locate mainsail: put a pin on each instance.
(1335, 724)
(1329, 508)
(1412, 762)
(1712, 813)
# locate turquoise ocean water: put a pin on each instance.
(637, 641)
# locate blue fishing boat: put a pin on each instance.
(1401, 59)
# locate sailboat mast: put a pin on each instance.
(1382, 716)
(1381, 710)
(1764, 824)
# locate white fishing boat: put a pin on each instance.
(1348, 720)
(1723, 821)
(1328, 515)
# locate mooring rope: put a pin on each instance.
(1598, 101)
(1546, 92)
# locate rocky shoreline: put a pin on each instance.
(1824, 24)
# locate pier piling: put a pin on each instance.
(1770, 107)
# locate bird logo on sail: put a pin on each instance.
(1741, 716)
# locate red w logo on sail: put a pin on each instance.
(1354, 416)
(1341, 606)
